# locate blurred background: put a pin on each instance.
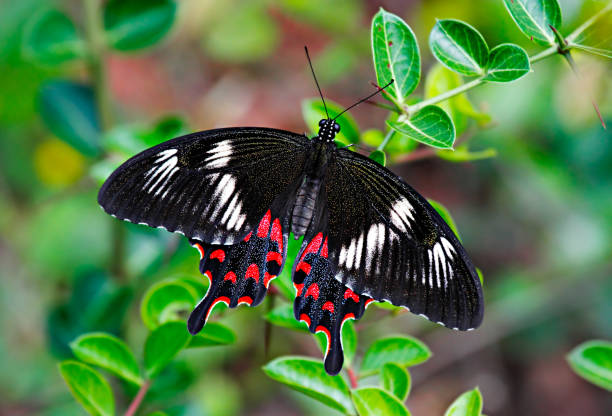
(537, 219)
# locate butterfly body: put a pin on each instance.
(238, 193)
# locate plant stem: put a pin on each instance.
(386, 140)
(97, 70)
(133, 407)
(588, 23)
(353, 379)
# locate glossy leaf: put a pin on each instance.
(463, 154)
(430, 126)
(396, 55)
(163, 344)
(396, 380)
(51, 38)
(379, 157)
(534, 18)
(446, 216)
(283, 316)
(398, 143)
(592, 361)
(164, 300)
(372, 401)
(69, 111)
(468, 404)
(507, 63)
(137, 24)
(313, 112)
(309, 377)
(109, 352)
(459, 47)
(402, 350)
(212, 335)
(88, 387)
(349, 341)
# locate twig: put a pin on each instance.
(133, 407)
(353, 379)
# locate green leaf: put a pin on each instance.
(396, 55)
(88, 387)
(372, 137)
(398, 143)
(164, 300)
(283, 282)
(372, 401)
(463, 154)
(137, 24)
(163, 344)
(592, 360)
(379, 157)
(396, 380)
(51, 38)
(468, 404)
(309, 377)
(507, 62)
(430, 126)
(459, 47)
(446, 216)
(534, 18)
(313, 112)
(157, 413)
(283, 316)
(212, 335)
(109, 352)
(349, 341)
(402, 350)
(69, 111)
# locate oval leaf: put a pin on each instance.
(379, 157)
(108, 352)
(69, 111)
(212, 335)
(136, 24)
(507, 63)
(592, 361)
(309, 377)
(283, 316)
(163, 300)
(468, 404)
(396, 55)
(459, 47)
(430, 125)
(163, 344)
(446, 216)
(51, 38)
(88, 387)
(396, 380)
(313, 112)
(403, 350)
(372, 401)
(534, 18)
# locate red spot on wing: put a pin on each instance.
(208, 274)
(321, 328)
(223, 299)
(200, 249)
(277, 234)
(367, 302)
(348, 316)
(245, 299)
(230, 276)
(313, 290)
(267, 278)
(248, 237)
(264, 226)
(252, 272)
(274, 256)
(298, 287)
(328, 306)
(218, 254)
(352, 295)
(313, 245)
(305, 318)
(303, 266)
(324, 248)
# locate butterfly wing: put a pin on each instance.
(386, 242)
(214, 186)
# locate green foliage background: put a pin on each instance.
(524, 167)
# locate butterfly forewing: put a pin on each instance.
(387, 242)
(213, 186)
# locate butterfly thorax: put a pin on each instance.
(328, 129)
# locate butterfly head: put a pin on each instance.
(328, 129)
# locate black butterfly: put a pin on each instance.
(237, 193)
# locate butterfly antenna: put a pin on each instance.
(380, 89)
(316, 82)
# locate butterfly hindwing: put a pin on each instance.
(213, 186)
(387, 242)
(241, 273)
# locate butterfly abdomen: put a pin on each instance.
(304, 207)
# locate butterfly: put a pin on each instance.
(237, 194)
